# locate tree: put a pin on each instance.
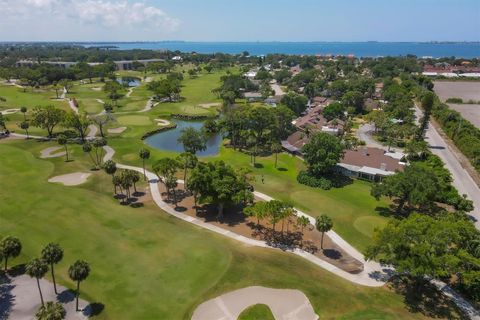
(192, 140)
(110, 168)
(322, 153)
(78, 272)
(51, 311)
(63, 141)
(297, 103)
(24, 125)
(166, 88)
(10, 247)
(78, 122)
(416, 186)
(427, 106)
(24, 111)
(353, 99)
(422, 246)
(276, 149)
(323, 224)
(303, 221)
(189, 161)
(258, 210)
(208, 68)
(47, 118)
(37, 269)
(333, 111)
(260, 123)
(165, 167)
(171, 184)
(144, 154)
(102, 120)
(416, 149)
(52, 254)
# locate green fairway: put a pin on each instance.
(257, 312)
(134, 120)
(145, 263)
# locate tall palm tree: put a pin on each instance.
(144, 155)
(323, 224)
(302, 221)
(51, 311)
(37, 269)
(78, 272)
(24, 111)
(52, 254)
(24, 125)
(63, 141)
(10, 247)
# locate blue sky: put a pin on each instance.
(240, 20)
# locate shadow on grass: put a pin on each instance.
(422, 297)
(385, 211)
(93, 309)
(282, 169)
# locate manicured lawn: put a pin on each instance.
(257, 312)
(147, 264)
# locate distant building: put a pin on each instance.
(177, 59)
(253, 96)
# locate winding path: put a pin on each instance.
(284, 304)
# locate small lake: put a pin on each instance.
(130, 81)
(167, 140)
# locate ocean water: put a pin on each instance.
(359, 49)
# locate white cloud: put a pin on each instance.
(79, 17)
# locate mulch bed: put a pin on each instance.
(236, 221)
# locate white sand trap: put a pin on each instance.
(71, 179)
(117, 130)
(97, 89)
(9, 111)
(209, 105)
(100, 101)
(162, 122)
(284, 304)
(49, 153)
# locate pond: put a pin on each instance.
(167, 140)
(130, 81)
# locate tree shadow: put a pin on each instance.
(93, 309)
(137, 205)
(385, 211)
(17, 270)
(180, 209)
(66, 296)
(6, 297)
(258, 165)
(332, 254)
(422, 297)
(282, 169)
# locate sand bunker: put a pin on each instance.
(284, 304)
(162, 122)
(9, 111)
(117, 130)
(49, 153)
(71, 179)
(209, 105)
(97, 89)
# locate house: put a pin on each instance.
(177, 59)
(251, 74)
(253, 96)
(378, 90)
(295, 70)
(370, 163)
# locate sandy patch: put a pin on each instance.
(209, 105)
(162, 122)
(284, 304)
(467, 90)
(100, 101)
(97, 89)
(117, 130)
(9, 111)
(471, 112)
(49, 153)
(71, 179)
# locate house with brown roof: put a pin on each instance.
(370, 163)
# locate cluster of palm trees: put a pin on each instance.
(51, 254)
(122, 180)
(276, 211)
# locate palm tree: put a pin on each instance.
(24, 125)
(323, 224)
(189, 160)
(171, 184)
(63, 141)
(10, 247)
(117, 182)
(276, 148)
(51, 311)
(144, 155)
(134, 177)
(24, 111)
(37, 269)
(52, 254)
(302, 221)
(78, 272)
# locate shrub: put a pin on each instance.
(454, 100)
(314, 182)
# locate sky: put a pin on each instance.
(240, 20)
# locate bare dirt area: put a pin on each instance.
(467, 90)
(291, 237)
(471, 112)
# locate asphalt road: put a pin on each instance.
(461, 178)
